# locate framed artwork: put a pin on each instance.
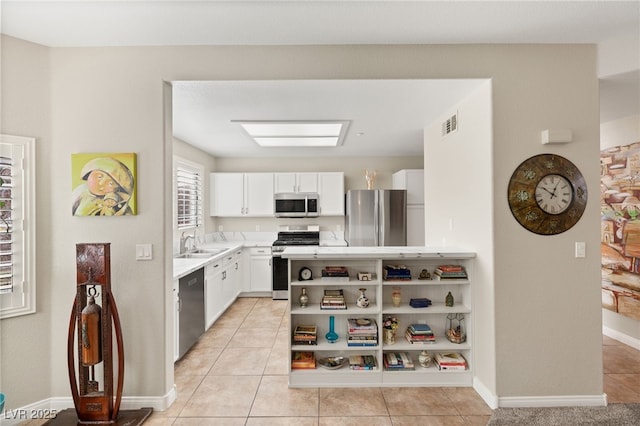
(103, 184)
(620, 229)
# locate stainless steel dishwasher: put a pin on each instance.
(191, 306)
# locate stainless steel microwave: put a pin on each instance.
(299, 204)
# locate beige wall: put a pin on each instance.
(547, 304)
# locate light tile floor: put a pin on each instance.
(237, 375)
(621, 371)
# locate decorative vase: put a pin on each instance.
(363, 300)
(389, 336)
(331, 336)
(424, 359)
(303, 298)
(448, 301)
(396, 297)
(370, 177)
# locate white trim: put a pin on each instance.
(621, 337)
(57, 404)
(489, 397)
(553, 401)
(25, 302)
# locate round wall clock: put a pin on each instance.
(547, 194)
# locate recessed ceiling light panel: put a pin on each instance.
(311, 133)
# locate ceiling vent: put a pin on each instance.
(450, 125)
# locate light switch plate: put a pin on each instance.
(581, 249)
(144, 252)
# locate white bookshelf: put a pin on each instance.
(379, 293)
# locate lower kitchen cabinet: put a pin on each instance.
(213, 292)
(402, 286)
(260, 272)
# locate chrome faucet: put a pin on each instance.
(183, 241)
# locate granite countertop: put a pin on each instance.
(408, 252)
(184, 266)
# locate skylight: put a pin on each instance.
(311, 133)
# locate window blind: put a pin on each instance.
(6, 225)
(189, 196)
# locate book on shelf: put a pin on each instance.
(333, 307)
(396, 272)
(397, 361)
(450, 272)
(420, 329)
(335, 273)
(303, 360)
(305, 335)
(333, 293)
(419, 302)
(450, 361)
(362, 325)
(306, 330)
(363, 362)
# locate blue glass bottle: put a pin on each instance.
(331, 336)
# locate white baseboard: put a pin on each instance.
(621, 337)
(489, 397)
(47, 408)
(553, 401)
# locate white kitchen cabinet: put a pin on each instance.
(296, 182)
(231, 278)
(413, 181)
(241, 194)
(331, 193)
(213, 292)
(260, 273)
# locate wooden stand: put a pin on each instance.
(95, 406)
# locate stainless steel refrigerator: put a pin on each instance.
(376, 217)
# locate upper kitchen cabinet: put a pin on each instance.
(241, 194)
(331, 193)
(296, 182)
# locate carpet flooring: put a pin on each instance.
(611, 415)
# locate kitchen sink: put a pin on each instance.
(202, 253)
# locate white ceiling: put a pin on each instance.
(390, 113)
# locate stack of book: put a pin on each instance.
(303, 360)
(450, 272)
(363, 362)
(419, 302)
(305, 335)
(362, 332)
(397, 361)
(420, 333)
(333, 299)
(396, 272)
(450, 361)
(335, 273)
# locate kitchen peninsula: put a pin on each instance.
(370, 272)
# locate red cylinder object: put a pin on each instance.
(91, 333)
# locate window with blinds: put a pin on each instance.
(189, 211)
(17, 226)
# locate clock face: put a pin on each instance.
(554, 194)
(305, 274)
(547, 194)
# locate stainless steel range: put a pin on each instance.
(302, 235)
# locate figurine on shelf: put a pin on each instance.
(424, 275)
